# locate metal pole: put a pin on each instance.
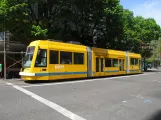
(153, 42)
(22, 57)
(4, 56)
(158, 52)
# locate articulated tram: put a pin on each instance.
(53, 60)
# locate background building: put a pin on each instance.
(14, 56)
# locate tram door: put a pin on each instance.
(99, 64)
(102, 64)
(121, 64)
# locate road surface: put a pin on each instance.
(135, 97)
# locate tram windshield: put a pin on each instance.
(41, 59)
(28, 56)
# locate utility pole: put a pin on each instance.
(4, 48)
(158, 52)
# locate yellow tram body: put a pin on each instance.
(51, 60)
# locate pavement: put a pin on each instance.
(132, 97)
(154, 69)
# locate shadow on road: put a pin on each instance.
(155, 116)
(73, 79)
(79, 79)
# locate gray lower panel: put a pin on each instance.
(89, 61)
(127, 62)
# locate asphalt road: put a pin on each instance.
(135, 97)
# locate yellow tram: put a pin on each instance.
(53, 60)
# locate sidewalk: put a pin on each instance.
(154, 69)
(17, 79)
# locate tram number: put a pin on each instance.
(59, 67)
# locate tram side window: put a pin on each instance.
(65, 57)
(115, 62)
(78, 58)
(132, 61)
(41, 59)
(136, 61)
(108, 62)
(54, 57)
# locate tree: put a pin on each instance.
(13, 16)
(130, 37)
(67, 20)
(38, 31)
(114, 24)
(138, 30)
(100, 23)
(148, 29)
(19, 18)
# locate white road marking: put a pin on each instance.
(124, 101)
(86, 80)
(137, 96)
(54, 106)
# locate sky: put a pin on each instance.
(144, 8)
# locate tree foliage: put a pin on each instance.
(38, 31)
(100, 23)
(114, 24)
(139, 32)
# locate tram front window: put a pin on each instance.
(28, 57)
(41, 59)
